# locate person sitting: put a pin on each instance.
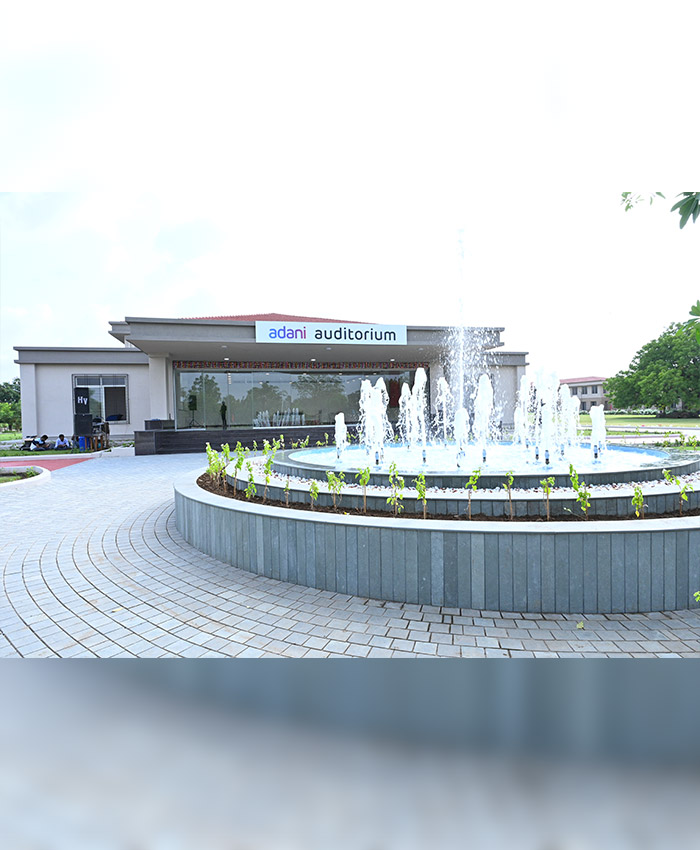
(42, 444)
(62, 444)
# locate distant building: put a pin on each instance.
(589, 390)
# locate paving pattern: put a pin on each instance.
(93, 566)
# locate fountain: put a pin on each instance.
(503, 564)
(546, 438)
(515, 561)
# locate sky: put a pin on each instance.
(321, 159)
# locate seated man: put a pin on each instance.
(61, 443)
(42, 444)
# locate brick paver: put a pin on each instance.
(93, 566)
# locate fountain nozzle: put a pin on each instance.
(376, 458)
(483, 456)
(546, 457)
(425, 460)
(537, 452)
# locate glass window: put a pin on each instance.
(584, 390)
(594, 390)
(276, 398)
(108, 394)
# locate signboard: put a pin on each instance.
(81, 400)
(328, 333)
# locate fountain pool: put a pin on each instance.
(520, 552)
(500, 458)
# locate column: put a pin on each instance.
(158, 385)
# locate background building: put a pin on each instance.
(589, 390)
(253, 373)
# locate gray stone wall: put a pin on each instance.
(604, 567)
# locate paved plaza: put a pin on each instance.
(93, 566)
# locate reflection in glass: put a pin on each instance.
(276, 398)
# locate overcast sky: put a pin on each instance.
(170, 159)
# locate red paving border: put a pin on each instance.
(47, 463)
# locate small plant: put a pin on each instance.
(304, 444)
(217, 465)
(269, 453)
(286, 492)
(238, 463)
(364, 475)
(638, 501)
(580, 625)
(547, 484)
(470, 487)
(313, 492)
(295, 444)
(280, 442)
(226, 452)
(683, 489)
(255, 445)
(326, 436)
(335, 486)
(251, 489)
(507, 486)
(396, 483)
(420, 487)
(583, 494)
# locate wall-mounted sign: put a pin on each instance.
(81, 400)
(329, 333)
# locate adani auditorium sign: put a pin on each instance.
(325, 332)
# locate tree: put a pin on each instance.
(10, 391)
(663, 372)
(689, 204)
(10, 405)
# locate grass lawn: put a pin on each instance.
(10, 435)
(17, 453)
(5, 479)
(643, 422)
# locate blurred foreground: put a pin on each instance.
(267, 754)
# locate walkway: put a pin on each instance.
(94, 566)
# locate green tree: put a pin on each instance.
(663, 372)
(10, 391)
(10, 405)
(687, 207)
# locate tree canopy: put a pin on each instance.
(10, 406)
(663, 372)
(689, 204)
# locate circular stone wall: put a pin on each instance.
(556, 567)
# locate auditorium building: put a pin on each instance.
(174, 384)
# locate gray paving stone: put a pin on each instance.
(124, 583)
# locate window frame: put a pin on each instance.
(105, 380)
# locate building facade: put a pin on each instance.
(242, 372)
(589, 390)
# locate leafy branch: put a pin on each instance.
(583, 494)
(363, 476)
(547, 484)
(421, 490)
(470, 487)
(683, 489)
(507, 486)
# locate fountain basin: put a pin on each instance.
(623, 464)
(556, 567)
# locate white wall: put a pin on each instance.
(54, 397)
